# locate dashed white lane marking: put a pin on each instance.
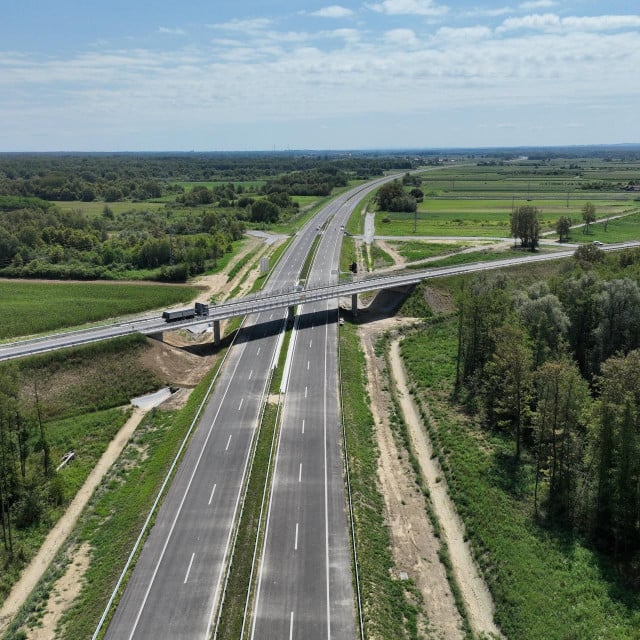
(302, 426)
(300, 473)
(228, 443)
(310, 343)
(212, 492)
(295, 545)
(250, 374)
(240, 405)
(271, 316)
(291, 627)
(258, 351)
(308, 364)
(305, 392)
(186, 577)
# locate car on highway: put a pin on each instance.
(597, 243)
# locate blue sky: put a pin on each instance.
(228, 75)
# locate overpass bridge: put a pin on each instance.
(290, 298)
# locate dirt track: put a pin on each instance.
(476, 595)
(413, 543)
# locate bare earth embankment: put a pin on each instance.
(414, 544)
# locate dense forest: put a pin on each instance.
(167, 229)
(115, 177)
(554, 366)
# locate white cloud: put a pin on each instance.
(489, 13)
(250, 25)
(534, 21)
(172, 31)
(463, 34)
(602, 23)
(333, 11)
(536, 4)
(553, 22)
(349, 35)
(409, 7)
(401, 37)
(266, 76)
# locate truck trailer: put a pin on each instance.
(200, 309)
(179, 314)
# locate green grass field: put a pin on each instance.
(479, 217)
(485, 255)
(87, 378)
(29, 308)
(546, 586)
(413, 251)
(620, 230)
(96, 208)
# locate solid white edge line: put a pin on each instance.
(186, 577)
(276, 357)
(287, 362)
(326, 488)
(182, 501)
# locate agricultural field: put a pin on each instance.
(619, 230)
(34, 307)
(96, 209)
(476, 200)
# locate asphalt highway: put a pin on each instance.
(305, 581)
(175, 588)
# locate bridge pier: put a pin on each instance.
(354, 304)
(291, 313)
(216, 332)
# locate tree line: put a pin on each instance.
(40, 240)
(555, 367)
(139, 177)
(27, 478)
